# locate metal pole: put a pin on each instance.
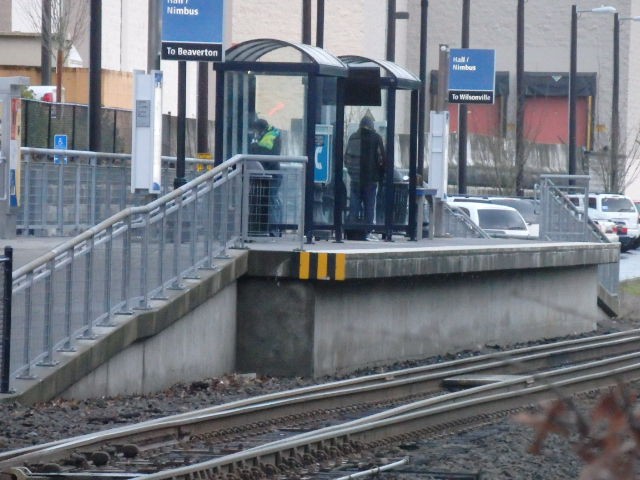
(181, 128)
(306, 22)
(6, 324)
(203, 107)
(45, 51)
(391, 30)
(422, 105)
(615, 96)
(153, 36)
(572, 90)
(462, 116)
(520, 160)
(95, 79)
(320, 24)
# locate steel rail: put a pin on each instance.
(423, 415)
(345, 392)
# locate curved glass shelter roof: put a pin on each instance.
(300, 58)
(391, 74)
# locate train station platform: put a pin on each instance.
(333, 308)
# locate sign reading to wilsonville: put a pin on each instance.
(472, 75)
(192, 30)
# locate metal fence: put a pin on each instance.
(562, 221)
(134, 256)
(64, 192)
(455, 223)
(5, 318)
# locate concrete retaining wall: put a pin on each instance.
(314, 328)
(201, 345)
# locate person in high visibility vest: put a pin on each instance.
(267, 141)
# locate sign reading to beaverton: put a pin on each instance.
(192, 30)
(472, 75)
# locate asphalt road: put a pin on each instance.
(630, 265)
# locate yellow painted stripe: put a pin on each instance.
(341, 266)
(305, 260)
(323, 266)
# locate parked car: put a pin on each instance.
(614, 207)
(528, 208)
(497, 220)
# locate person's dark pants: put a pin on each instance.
(362, 204)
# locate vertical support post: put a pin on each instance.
(391, 30)
(423, 87)
(573, 60)
(389, 167)
(7, 270)
(462, 115)
(45, 49)
(181, 130)
(306, 22)
(413, 147)
(520, 158)
(338, 158)
(203, 108)
(320, 24)
(311, 101)
(219, 132)
(95, 75)
(615, 99)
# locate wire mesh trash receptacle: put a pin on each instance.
(264, 205)
(400, 203)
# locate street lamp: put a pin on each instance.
(572, 77)
(615, 102)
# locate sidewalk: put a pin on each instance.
(26, 249)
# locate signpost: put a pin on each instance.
(472, 75)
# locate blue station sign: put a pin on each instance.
(472, 75)
(193, 30)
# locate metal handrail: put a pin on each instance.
(168, 240)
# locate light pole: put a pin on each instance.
(572, 78)
(615, 102)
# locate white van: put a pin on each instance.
(613, 207)
(497, 220)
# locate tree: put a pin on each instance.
(68, 22)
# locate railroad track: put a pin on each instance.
(405, 404)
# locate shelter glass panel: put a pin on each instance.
(278, 99)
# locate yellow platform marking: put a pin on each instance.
(341, 266)
(305, 261)
(322, 266)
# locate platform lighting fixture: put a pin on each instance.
(615, 103)
(572, 76)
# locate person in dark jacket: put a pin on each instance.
(267, 141)
(364, 159)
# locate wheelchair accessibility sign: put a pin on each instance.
(60, 143)
(323, 154)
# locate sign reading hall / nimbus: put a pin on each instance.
(472, 75)
(192, 30)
